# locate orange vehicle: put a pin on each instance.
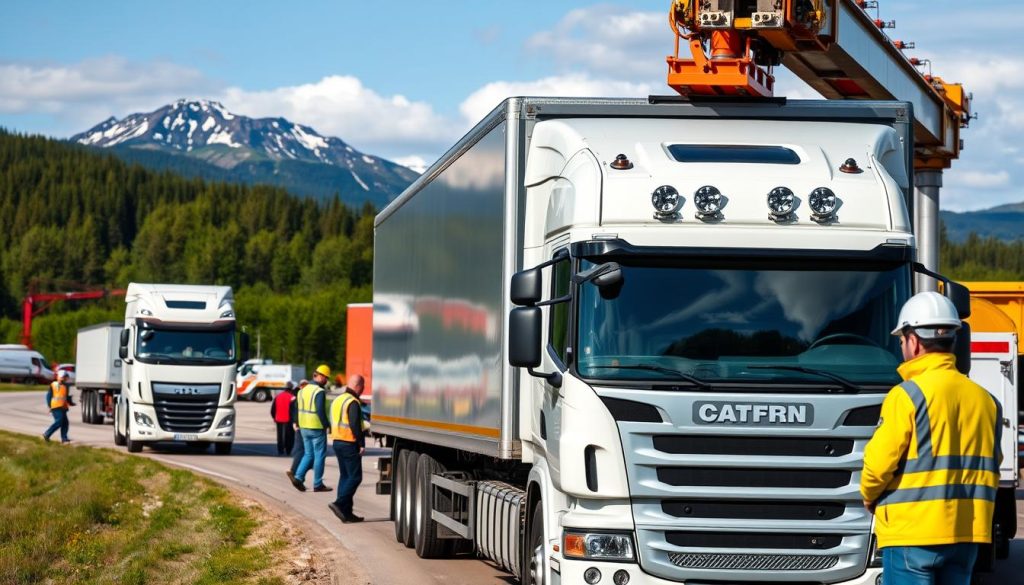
(359, 345)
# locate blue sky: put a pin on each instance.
(404, 80)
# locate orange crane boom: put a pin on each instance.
(834, 46)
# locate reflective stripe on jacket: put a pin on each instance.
(341, 430)
(308, 416)
(59, 397)
(932, 466)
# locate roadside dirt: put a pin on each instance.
(310, 556)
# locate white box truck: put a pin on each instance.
(692, 304)
(98, 367)
(179, 359)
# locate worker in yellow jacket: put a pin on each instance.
(931, 470)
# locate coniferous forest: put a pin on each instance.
(75, 219)
(72, 218)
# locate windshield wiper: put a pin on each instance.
(848, 385)
(663, 370)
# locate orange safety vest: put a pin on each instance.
(340, 429)
(59, 399)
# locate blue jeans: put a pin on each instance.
(298, 452)
(350, 462)
(947, 564)
(60, 421)
(314, 444)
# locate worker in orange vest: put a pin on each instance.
(348, 432)
(58, 399)
(280, 410)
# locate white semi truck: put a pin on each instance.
(179, 359)
(694, 302)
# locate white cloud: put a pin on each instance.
(414, 162)
(485, 99)
(979, 179)
(609, 41)
(85, 93)
(342, 106)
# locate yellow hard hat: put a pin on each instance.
(324, 370)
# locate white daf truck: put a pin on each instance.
(178, 360)
(693, 305)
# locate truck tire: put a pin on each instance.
(133, 446)
(398, 493)
(95, 402)
(84, 399)
(222, 448)
(428, 545)
(409, 493)
(533, 552)
(261, 395)
(119, 439)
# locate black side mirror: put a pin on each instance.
(962, 348)
(526, 287)
(244, 345)
(524, 342)
(961, 297)
(123, 352)
(124, 337)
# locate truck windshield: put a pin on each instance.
(821, 324)
(192, 347)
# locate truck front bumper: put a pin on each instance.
(571, 571)
(145, 426)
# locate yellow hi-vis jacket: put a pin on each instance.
(932, 466)
(308, 417)
(341, 430)
(59, 397)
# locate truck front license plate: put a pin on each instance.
(186, 437)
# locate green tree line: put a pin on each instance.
(75, 219)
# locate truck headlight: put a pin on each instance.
(823, 204)
(142, 420)
(780, 204)
(666, 202)
(227, 422)
(708, 200)
(598, 546)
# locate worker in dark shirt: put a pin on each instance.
(297, 450)
(347, 431)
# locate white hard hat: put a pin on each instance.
(930, 315)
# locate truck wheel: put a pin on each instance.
(409, 493)
(428, 545)
(261, 395)
(119, 439)
(398, 493)
(222, 448)
(84, 399)
(133, 446)
(533, 563)
(96, 408)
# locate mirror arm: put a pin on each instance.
(919, 268)
(553, 378)
(563, 299)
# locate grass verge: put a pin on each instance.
(82, 515)
(6, 387)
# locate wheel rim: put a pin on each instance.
(537, 565)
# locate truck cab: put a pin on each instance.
(179, 362)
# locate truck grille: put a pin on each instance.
(723, 503)
(185, 414)
(753, 562)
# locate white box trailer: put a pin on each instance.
(98, 369)
(994, 366)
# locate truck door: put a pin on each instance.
(994, 367)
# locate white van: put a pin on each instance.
(20, 363)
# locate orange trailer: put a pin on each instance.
(359, 345)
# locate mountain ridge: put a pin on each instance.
(250, 150)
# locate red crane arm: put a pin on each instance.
(36, 303)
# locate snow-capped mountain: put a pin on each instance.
(270, 150)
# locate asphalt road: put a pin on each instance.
(369, 549)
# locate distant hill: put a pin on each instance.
(1005, 222)
(202, 139)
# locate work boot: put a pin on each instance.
(351, 518)
(337, 511)
(295, 482)
(323, 488)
